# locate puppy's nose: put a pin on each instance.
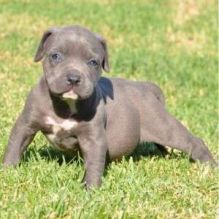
(73, 79)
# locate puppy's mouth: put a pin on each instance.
(70, 95)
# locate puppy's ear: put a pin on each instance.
(41, 48)
(105, 63)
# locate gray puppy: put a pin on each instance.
(77, 109)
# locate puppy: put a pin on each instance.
(77, 109)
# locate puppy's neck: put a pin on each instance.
(80, 109)
(72, 105)
(86, 108)
(63, 109)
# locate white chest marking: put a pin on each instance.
(61, 136)
(66, 125)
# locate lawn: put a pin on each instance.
(172, 43)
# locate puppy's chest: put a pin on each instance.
(62, 134)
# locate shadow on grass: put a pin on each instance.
(50, 154)
(148, 150)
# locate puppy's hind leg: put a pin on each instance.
(162, 128)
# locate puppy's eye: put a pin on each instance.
(93, 62)
(56, 57)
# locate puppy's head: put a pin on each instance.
(73, 58)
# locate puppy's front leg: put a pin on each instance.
(20, 137)
(93, 146)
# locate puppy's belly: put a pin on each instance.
(63, 143)
(123, 137)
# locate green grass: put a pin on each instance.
(172, 43)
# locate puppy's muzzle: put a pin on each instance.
(73, 79)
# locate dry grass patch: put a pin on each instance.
(186, 10)
(191, 42)
(24, 24)
(184, 14)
